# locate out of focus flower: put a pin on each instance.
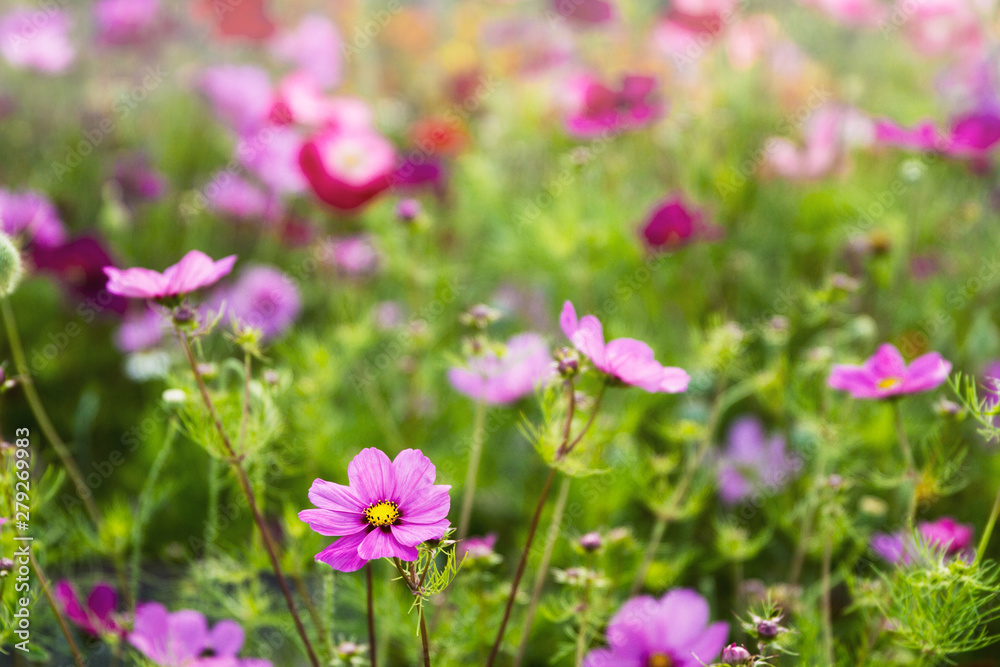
(98, 615)
(183, 639)
(140, 329)
(498, 377)
(194, 271)
(596, 109)
(673, 224)
(851, 12)
(477, 548)
(247, 18)
(886, 374)
(262, 297)
(348, 169)
(36, 39)
(313, 46)
(439, 136)
(138, 180)
(827, 133)
(32, 214)
(351, 255)
(624, 359)
(749, 39)
(591, 541)
(389, 508)
(300, 100)
(585, 12)
(673, 630)
(528, 46)
(946, 536)
(272, 154)
(407, 210)
(971, 136)
(78, 265)
(241, 95)
(229, 195)
(752, 462)
(121, 22)
(942, 27)
(417, 170)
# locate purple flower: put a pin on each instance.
(352, 255)
(752, 461)
(121, 22)
(78, 265)
(183, 639)
(140, 330)
(262, 297)
(36, 39)
(236, 198)
(970, 136)
(32, 214)
(314, 46)
(624, 359)
(598, 109)
(673, 630)
(194, 271)
(274, 158)
(673, 224)
(503, 377)
(240, 94)
(586, 12)
(138, 180)
(886, 374)
(946, 536)
(98, 616)
(388, 509)
(475, 548)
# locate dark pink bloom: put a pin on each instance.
(183, 639)
(32, 214)
(946, 536)
(673, 630)
(351, 255)
(624, 359)
(241, 95)
(194, 271)
(886, 374)
(262, 297)
(752, 462)
(586, 12)
(236, 198)
(505, 376)
(389, 508)
(98, 615)
(597, 109)
(970, 136)
(78, 265)
(36, 39)
(138, 180)
(852, 12)
(347, 169)
(477, 547)
(313, 46)
(673, 224)
(272, 154)
(121, 22)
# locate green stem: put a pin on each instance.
(371, 615)
(988, 530)
(424, 639)
(475, 453)
(581, 637)
(543, 568)
(827, 603)
(911, 468)
(142, 514)
(63, 627)
(245, 416)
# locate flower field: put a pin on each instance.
(507, 333)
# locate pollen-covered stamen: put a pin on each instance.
(659, 660)
(888, 383)
(384, 513)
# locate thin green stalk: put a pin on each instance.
(984, 541)
(827, 603)
(142, 514)
(371, 615)
(911, 468)
(581, 637)
(543, 568)
(245, 416)
(63, 627)
(424, 639)
(244, 481)
(475, 453)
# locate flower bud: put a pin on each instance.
(407, 210)
(734, 654)
(11, 268)
(567, 362)
(6, 565)
(591, 541)
(183, 314)
(768, 629)
(480, 316)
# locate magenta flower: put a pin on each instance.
(78, 266)
(314, 46)
(674, 224)
(970, 136)
(36, 39)
(194, 271)
(586, 12)
(388, 509)
(475, 548)
(351, 255)
(346, 169)
(139, 330)
(503, 377)
(946, 536)
(673, 630)
(32, 214)
(236, 198)
(886, 374)
(272, 154)
(624, 359)
(598, 109)
(240, 94)
(97, 617)
(753, 462)
(121, 22)
(262, 297)
(183, 639)
(138, 180)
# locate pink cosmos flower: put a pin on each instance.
(98, 617)
(388, 509)
(262, 297)
(138, 180)
(301, 100)
(272, 154)
(194, 271)
(32, 214)
(624, 359)
(586, 12)
(36, 39)
(597, 109)
(827, 134)
(498, 378)
(239, 199)
(120, 22)
(971, 136)
(943, 27)
(139, 330)
(851, 12)
(752, 461)
(477, 547)
(885, 374)
(347, 169)
(313, 46)
(945, 535)
(674, 224)
(241, 95)
(351, 255)
(183, 639)
(78, 266)
(673, 630)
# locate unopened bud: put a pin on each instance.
(11, 268)
(734, 654)
(591, 541)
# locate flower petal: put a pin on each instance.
(414, 473)
(382, 544)
(226, 639)
(371, 475)
(430, 506)
(330, 522)
(342, 555)
(411, 535)
(706, 647)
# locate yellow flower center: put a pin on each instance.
(888, 383)
(385, 513)
(658, 660)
